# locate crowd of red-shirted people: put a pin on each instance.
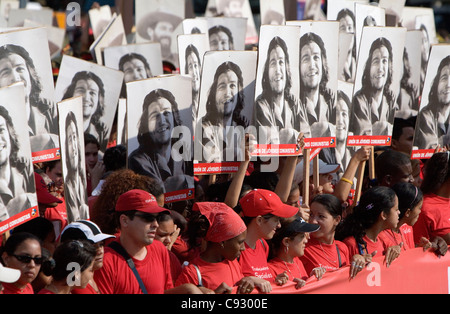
(241, 233)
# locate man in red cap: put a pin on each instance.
(137, 212)
(262, 211)
(45, 199)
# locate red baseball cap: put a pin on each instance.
(261, 202)
(138, 200)
(42, 193)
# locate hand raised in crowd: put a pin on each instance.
(301, 142)
(249, 146)
(392, 253)
(174, 236)
(304, 211)
(363, 154)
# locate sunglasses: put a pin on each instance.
(147, 217)
(26, 259)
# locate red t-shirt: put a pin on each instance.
(392, 238)
(212, 274)
(175, 266)
(319, 254)
(434, 220)
(116, 277)
(88, 290)
(58, 214)
(254, 261)
(46, 291)
(354, 248)
(181, 249)
(10, 288)
(293, 270)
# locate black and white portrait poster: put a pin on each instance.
(160, 21)
(394, 11)
(239, 8)
(136, 61)
(99, 87)
(99, 19)
(278, 114)
(72, 158)
(433, 121)
(343, 11)
(226, 33)
(23, 57)
(409, 95)
(225, 110)
(198, 25)
(192, 48)
(376, 86)
(319, 55)
(367, 15)
(272, 12)
(113, 35)
(55, 36)
(160, 133)
(343, 109)
(18, 201)
(122, 122)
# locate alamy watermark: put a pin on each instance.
(73, 15)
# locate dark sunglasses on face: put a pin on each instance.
(147, 217)
(26, 259)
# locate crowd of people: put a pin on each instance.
(242, 233)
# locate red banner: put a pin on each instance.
(422, 153)
(414, 272)
(18, 219)
(354, 140)
(46, 155)
(181, 195)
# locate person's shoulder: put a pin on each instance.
(158, 247)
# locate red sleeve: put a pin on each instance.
(351, 245)
(104, 277)
(421, 228)
(187, 275)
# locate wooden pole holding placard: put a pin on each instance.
(359, 183)
(372, 164)
(316, 174)
(212, 179)
(306, 156)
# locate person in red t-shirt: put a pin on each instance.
(64, 277)
(87, 231)
(288, 246)
(136, 212)
(322, 250)
(410, 200)
(8, 275)
(262, 210)
(22, 251)
(167, 233)
(434, 220)
(217, 267)
(377, 210)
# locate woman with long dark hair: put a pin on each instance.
(377, 210)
